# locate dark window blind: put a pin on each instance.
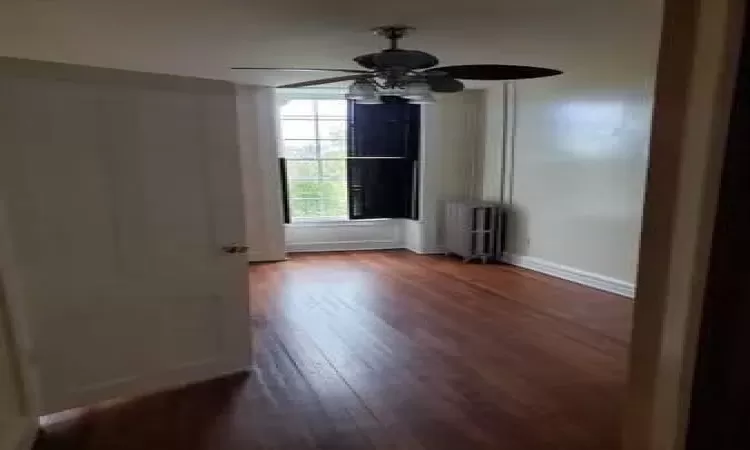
(284, 191)
(383, 159)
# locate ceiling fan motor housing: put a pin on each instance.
(404, 59)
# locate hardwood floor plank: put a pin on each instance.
(392, 350)
(371, 420)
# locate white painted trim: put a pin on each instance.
(343, 246)
(259, 256)
(330, 93)
(428, 251)
(338, 223)
(257, 138)
(133, 386)
(590, 279)
(412, 248)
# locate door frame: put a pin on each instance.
(718, 407)
(695, 80)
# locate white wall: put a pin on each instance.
(452, 131)
(574, 172)
(579, 173)
(258, 144)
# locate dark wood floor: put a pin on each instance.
(391, 350)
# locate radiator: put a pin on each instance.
(472, 230)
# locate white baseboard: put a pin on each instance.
(412, 249)
(342, 246)
(590, 279)
(257, 257)
(427, 251)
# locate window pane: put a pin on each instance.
(299, 149)
(301, 208)
(317, 189)
(331, 189)
(335, 207)
(332, 129)
(332, 108)
(333, 149)
(334, 198)
(334, 170)
(311, 199)
(304, 189)
(297, 129)
(298, 108)
(302, 170)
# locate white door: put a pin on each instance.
(17, 425)
(13, 420)
(120, 198)
(17, 416)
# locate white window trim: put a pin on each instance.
(340, 222)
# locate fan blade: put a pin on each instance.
(289, 69)
(324, 81)
(495, 72)
(444, 83)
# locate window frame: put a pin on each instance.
(316, 118)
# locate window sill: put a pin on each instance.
(336, 223)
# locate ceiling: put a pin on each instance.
(204, 38)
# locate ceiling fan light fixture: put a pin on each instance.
(369, 101)
(416, 90)
(361, 90)
(426, 99)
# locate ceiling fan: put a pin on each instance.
(410, 74)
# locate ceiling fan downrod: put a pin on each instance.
(393, 33)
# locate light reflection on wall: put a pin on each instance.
(591, 129)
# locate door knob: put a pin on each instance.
(240, 249)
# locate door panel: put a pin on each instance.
(16, 425)
(121, 197)
(227, 206)
(61, 223)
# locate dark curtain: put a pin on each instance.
(383, 164)
(380, 188)
(387, 130)
(284, 190)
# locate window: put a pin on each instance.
(341, 160)
(314, 142)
